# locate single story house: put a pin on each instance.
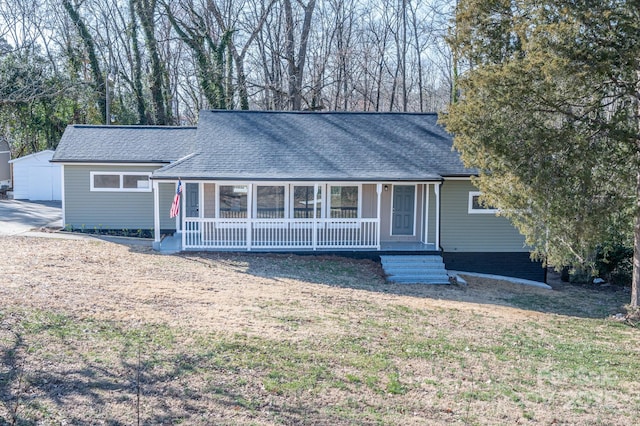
(290, 181)
(35, 178)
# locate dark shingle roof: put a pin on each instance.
(269, 145)
(124, 144)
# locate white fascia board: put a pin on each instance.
(67, 163)
(35, 154)
(458, 178)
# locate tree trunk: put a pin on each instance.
(635, 295)
(635, 282)
(96, 72)
(290, 55)
(137, 67)
(243, 94)
(295, 67)
(209, 61)
(238, 58)
(404, 56)
(146, 11)
(414, 23)
(229, 89)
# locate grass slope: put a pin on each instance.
(97, 333)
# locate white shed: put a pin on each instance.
(35, 178)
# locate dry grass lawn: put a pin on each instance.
(99, 333)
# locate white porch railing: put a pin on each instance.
(282, 234)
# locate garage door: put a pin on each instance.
(44, 183)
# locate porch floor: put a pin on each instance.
(406, 246)
(173, 244)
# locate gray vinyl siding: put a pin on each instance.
(369, 201)
(166, 191)
(464, 232)
(209, 205)
(4, 166)
(106, 210)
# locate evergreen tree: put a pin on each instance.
(548, 114)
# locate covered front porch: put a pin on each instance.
(302, 216)
(173, 244)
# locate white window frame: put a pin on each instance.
(121, 175)
(285, 201)
(473, 210)
(328, 207)
(249, 207)
(321, 201)
(341, 184)
(279, 222)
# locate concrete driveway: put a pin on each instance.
(18, 217)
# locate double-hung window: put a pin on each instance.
(120, 181)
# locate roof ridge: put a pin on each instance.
(131, 126)
(378, 113)
(178, 162)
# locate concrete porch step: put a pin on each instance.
(170, 244)
(413, 258)
(419, 269)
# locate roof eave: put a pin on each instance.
(298, 179)
(75, 161)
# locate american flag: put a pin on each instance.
(175, 207)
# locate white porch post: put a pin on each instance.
(182, 215)
(314, 237)
(178, 227)
(249, 211)
(156, 212)
(379, 225)
(427, 190)
(437, 191)
(62, 196)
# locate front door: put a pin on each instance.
(193, 200)
(404, 201)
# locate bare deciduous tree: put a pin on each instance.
(146, 11)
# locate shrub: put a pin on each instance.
(615, 264)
